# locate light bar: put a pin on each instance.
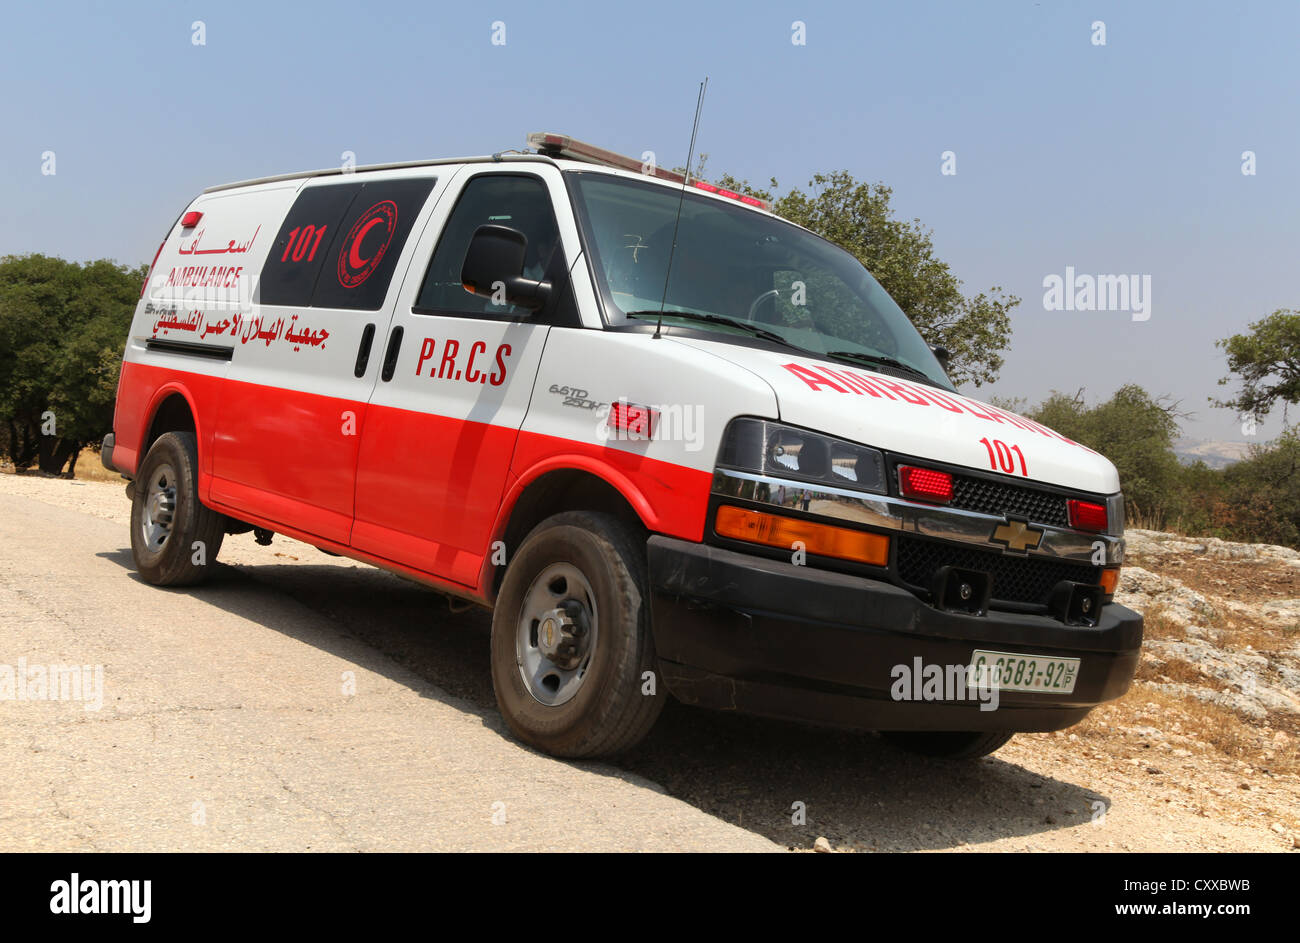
(561, 145)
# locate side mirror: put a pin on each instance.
(493, 265)
(941, 354)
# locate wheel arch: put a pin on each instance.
(171, 410)
(575, 484)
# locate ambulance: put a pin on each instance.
(678, 445)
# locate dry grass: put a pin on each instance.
(1182, 716)
(89, 468)
(1218, 726)
(1190, 720)
(1157, 625)
(1177, 670)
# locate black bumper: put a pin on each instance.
(739, 632)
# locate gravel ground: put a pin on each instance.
(1040, 793)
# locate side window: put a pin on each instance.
(519, 202)
(339, 244)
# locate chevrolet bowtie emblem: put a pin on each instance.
(1017, 536)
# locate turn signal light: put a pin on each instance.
(774, 530)
(1087, 515)
(1110, 581)
(924, 484)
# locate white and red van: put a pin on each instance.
(676, 443)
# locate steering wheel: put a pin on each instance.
(753, 307)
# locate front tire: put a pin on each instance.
(174, 537)
(949, 745)
(572, 654)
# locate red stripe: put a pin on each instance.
(428, 489)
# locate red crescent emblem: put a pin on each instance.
(353, 268)
(354, 256)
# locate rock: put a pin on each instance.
(822, 845)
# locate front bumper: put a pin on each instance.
(740, 632)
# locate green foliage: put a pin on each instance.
(857, 217)
(1256, 500)
(1136, 432)
(1267, 362)
(1260, 498)
(62, 329)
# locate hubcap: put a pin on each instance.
(556, 634)
(159, 508)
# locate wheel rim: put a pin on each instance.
(556, 634)
(159, 508)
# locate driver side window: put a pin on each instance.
(519, 202)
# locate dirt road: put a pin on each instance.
(300, 701)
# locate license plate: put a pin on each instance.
(1009, 671)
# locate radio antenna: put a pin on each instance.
(690, 156)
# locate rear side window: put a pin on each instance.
(338, 246)
(519, 202)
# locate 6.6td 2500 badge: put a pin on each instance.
(575, 397)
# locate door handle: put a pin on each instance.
(390, 355)
(363, 353)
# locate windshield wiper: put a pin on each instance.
(876, 360)
(752, 329)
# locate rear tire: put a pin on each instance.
(576, 590)
(949, 745)
(174, 537)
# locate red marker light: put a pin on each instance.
(191, 219)
(630, 421)
(1087, 515)
(924, 484)
(729, 194)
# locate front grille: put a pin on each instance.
(1015, 579)
(1006, 500)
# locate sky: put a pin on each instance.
(1117, 159)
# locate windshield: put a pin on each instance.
(733, 264)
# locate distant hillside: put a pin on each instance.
(1213, 453)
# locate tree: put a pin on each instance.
(857, 217)
(62, 329)
(1136, 432)
(1267, 361)
(1264, 492)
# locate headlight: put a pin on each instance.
(778, 451)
